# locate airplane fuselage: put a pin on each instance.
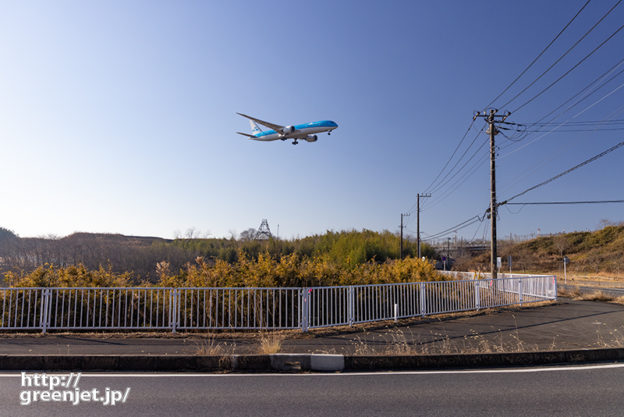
(301, 131)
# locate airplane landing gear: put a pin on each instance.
(295, 142)
(328, 133)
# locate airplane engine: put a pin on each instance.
(288, 130)
(312, 138)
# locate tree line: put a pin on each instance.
(140, 256)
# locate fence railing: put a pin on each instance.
(151, 308)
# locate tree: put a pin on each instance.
(247, 235)
(561, 243)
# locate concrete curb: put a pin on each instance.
(481, 360)
(283, 362)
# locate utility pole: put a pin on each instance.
(418, 219)
(491, 118)
(401, 251)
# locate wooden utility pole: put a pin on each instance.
(493, 211)
(492, 118)
(418, 219)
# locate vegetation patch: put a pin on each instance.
(597, 252)
(334, 258)
(265, 271)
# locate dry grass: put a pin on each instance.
(271, 343)
(443, 345)
(267, 343)
(576, 294)
(210, 346)
(569, 293)
(596, 296)
(473, 343)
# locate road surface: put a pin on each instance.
(555, 391)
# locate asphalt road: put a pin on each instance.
(557, 391)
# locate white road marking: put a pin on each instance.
(113, 374)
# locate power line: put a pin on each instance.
(540, 203)
(539, 55)
(585, 88)
(561, 57)
(592, 159)
(452, 155)
(458, 226)
(580, 122)
(568, 121)
(534, 167)
(570, 70)
(444, 180)
(475, 167)
(599, 100)
(562, 123)
(595, 129)
(477, 231)
(505, 90)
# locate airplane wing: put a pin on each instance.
(273, 126)
(247, 134)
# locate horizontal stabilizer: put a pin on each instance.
(246, 134)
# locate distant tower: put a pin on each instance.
(264, 233)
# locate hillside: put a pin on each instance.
(600, 251)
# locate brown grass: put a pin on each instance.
(474, 343)
(268, 343)
(601, 296)
(569, 293)
(596, 296)
(211, 347)
(471, 343)
(271, 343)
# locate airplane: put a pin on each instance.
(306, 131)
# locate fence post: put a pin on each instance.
(477, 295)
(521, 289)
(350, 309)
(305, 308)
(423, 307)
(173, 309)
(45, 304)
(554, 280)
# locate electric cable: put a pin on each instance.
(563, 56)
(539, 55)
(587, 161)
(565, 74)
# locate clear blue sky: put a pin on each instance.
(120, 116)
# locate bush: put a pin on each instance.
(266, 271)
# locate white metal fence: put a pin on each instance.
(150, 308)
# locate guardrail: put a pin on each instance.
(151, 308)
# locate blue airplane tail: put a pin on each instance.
(254, 127)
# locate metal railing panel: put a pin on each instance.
(238, 308)
(21, 308)
(194, 308)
